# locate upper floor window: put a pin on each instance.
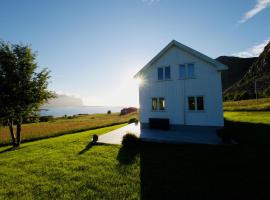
(160, 73)
(182, 71)
(186, 71)
(190, 70)
(167, 73)
(164, 73)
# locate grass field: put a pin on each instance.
(63, 126)
(68, 167)
(249, 117)
(248, 105)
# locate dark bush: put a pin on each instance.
(95, 138)
(130, 140)
(46, 118)
(109, 112)
(133, 120)
(225, 135)
(32, 119)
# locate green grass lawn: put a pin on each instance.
(67, 167)
(251, 117)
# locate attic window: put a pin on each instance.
(186, 71)
(160, 73)
(164, 73)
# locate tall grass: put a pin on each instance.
(247, 105)
(63, 126)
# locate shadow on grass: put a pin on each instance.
(190, 171)
(90, 145)
(11, 149)
(127, 155)
(247, 133)
(87, 147)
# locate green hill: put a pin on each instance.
(238, 67)
(258, 75)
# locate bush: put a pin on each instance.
(130, 140)
(109, 112)
(46, 118)
(95, 138)
(133, 120)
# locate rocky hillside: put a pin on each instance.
(237, 68)
(258, 74)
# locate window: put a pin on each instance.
(154, 104)
(200, 103)
(190, 70)
(161, 103)
(182, 72)
(160, 73)
(191, 103)
(158, 103)
(167, 72)
(186, 71)
(196, 103)
(164, 73)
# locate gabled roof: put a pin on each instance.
(219, 66)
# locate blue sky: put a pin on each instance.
(93, 48)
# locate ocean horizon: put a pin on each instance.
(75, 110)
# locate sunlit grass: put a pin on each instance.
(250, 117)
(54, 169)
(248, 105)
(62, 126)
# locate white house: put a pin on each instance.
(181, 87)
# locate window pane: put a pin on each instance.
(161, 103)
(154, 103)
(160, 73)
(167, 72)
(200, 103)
(182, 72)
(190, 70)
(191, 103)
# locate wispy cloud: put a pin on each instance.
(260, 5)
(149, 2)
(253, 51)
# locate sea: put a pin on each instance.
(76, 110)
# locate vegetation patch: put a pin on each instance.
(247, 105)
(130, 140)
(60, 126)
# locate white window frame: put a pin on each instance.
(158, 104)
(196, 106)
(164, 77)
(186, 71)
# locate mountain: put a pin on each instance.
(237, 68)
(258, 75)
(63, 101)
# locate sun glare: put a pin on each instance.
(139, 81)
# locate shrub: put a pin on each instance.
(133, 120)
(130, 140)
(46, 118)
(95, 138)
(109, 112)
